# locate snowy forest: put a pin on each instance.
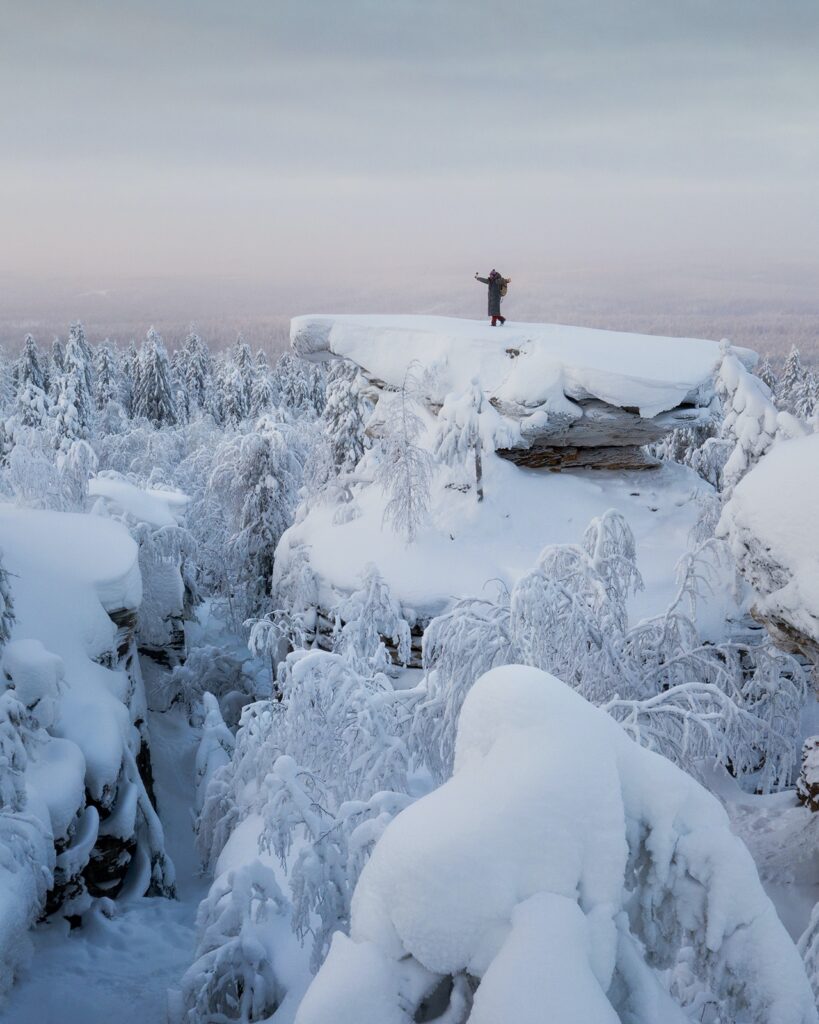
(433, 673)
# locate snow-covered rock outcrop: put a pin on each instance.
(561, 867)
(155, 518)
(770, 523)
(72, 673)
(577, 397)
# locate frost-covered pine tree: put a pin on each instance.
(197, 370)
(67, 425)
(345, 416)
(56, 363)
(459, 435)
(793, 375)
(767, 375)
(29, 368)
(76, 335)
(154, 398)
(807, 396)
(299, 385)
(129, 377)
(243, 360)
(32, 407)
(107, 384)
(404, 469)
(80, 378)
(262, 397)
(256, 478)
(235, 398)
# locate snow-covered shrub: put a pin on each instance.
(215, 747)
(691, 701)
(561, 866)
(232, 978)
(210, 671)
(369, 614)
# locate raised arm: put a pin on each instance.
(483, 280)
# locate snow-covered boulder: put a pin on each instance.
(770, 525)
(155, 518)
(577, 396)
(562, 870)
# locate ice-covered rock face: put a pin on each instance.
(562, 866)
(575, 391)
(770, 524)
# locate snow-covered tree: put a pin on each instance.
(767, 375)
(233, 976)
(67, 424)
(32, 406)
(256, 476)
(235, 395)
(807, 396)
(130, 377)
(345, 416)
(243, 361)
(791, 380)
(197, 370)
(77, 337)
(76, 464)
(262, 396)
(78, 378)
(459, 435)
(404, 468)
(57, 361)
(29, 369)
(154, 397)
(366, 617)
(107, 385)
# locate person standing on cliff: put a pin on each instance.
(497, 289)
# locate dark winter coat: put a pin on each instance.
(494, 281)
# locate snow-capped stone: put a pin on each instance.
(575, 392)
(770, 525)
(540, 875)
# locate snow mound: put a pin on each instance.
(156, 508)
(770, 524)
(561, 866)
(527, 365)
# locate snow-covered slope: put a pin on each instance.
(529, 365)
(770, 523)
(559, 867)
(465, 545)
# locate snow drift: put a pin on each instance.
(562, 866)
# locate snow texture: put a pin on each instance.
(562, 866)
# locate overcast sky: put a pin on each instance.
(382, 138)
